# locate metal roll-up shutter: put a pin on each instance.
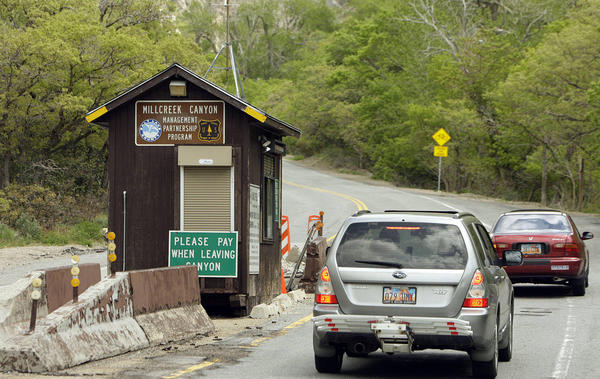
(207, 199)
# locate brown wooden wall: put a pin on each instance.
(150, 175)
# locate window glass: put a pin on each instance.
(532, 224)
(488, 246)
(405, 245)
(269, 197)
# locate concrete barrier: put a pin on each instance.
(107, 321)
(15, 305)
(100, 325)
(166, 303)
(58, 283)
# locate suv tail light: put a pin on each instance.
(324, 291)
(475, 297)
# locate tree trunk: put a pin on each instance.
(543, 199)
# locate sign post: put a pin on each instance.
(214, 253)
(441, 137)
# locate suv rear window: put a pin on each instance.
(532, 224)
(402, 245)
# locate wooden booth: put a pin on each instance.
(195, 178)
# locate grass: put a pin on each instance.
(87, 233)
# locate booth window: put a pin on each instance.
(269, 196)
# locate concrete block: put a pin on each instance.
(175, 324)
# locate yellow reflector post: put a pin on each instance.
(74, 259)
(112, 246)
(37, 282)
(36, 294)
(75, 270)
(112, 257)
(75, 282)
(111, 236)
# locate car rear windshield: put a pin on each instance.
(532, 224)
(402, 245)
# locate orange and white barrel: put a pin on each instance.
(285, 236)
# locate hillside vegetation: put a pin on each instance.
(516, 83)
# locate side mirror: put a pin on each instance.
(512, 258)
(587, 236)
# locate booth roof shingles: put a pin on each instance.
(177, 71)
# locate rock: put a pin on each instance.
(264, 311)
(282, 302)
(297, 295)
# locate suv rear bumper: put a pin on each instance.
(349, 331)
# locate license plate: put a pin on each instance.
(559, 267)
(399, 295)
(531, 248)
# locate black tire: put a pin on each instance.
(331, 365)
(505, 354)
(578, 286)
(587, 280)
(487, 369)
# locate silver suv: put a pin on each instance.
(402, 281)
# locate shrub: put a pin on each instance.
(38, 203)
(28, 226)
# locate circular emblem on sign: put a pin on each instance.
(399, 275)
(150, 130)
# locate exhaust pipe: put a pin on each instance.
(359, 347)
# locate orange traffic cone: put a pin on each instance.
(283, 290)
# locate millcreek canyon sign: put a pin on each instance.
(183, 122)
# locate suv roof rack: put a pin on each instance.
(361, 212)
(417, 211)
(536, 210)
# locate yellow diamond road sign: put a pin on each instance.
(440, 151)
(441, 137)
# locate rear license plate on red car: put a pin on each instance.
(531, 248)
(399, 295)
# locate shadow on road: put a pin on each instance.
(426, 364)
(541, 290)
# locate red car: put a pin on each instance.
(553, 250)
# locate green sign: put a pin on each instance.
(214, 253)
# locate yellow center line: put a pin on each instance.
(295, 324)
(191, 369)
(299, 322)
(359, 204)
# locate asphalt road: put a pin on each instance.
(555, 333)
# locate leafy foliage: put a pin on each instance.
(516, 83)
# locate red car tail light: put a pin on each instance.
(567, 248)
